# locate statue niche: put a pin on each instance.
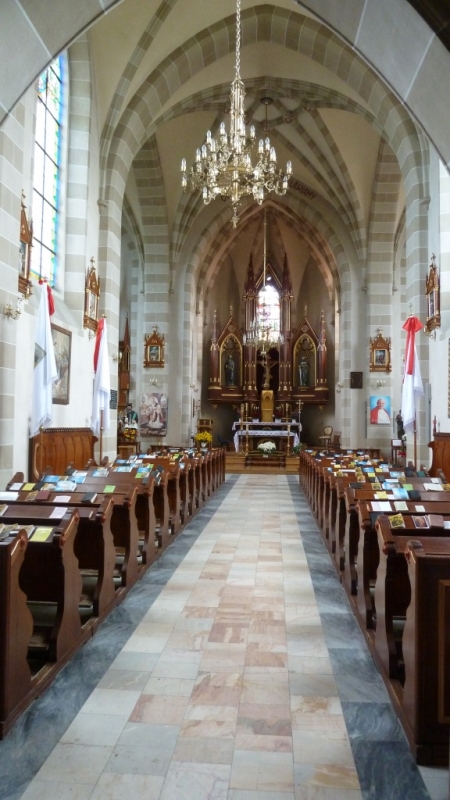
(303, 370)
(305, 356)
(230, 359)
(229, 369)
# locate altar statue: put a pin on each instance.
(303, 370)
(229, 371)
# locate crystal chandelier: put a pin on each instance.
(263, 332)
(224, 168)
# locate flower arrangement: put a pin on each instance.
(203, 437)
(267, 448)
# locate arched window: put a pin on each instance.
(46, 178)
(268, 310)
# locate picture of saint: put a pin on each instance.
(431, 304)
(380, 410)
(61, 345)
(153, 414)
(380, 357)
(92, 306)
(154, 352)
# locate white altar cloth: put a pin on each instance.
(267, 434)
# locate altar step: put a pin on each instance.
(235, 463)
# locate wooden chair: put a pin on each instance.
(336, 442)
(325, 440)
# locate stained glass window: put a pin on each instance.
(46, 179)
(269, 307)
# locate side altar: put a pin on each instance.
(267, 356)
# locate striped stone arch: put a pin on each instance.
(123, 85)
(212, 263)
(157, 272)
(261, 23)
(129, 224)
(132, 246)
(208, 252)
(77, 218)
(214, 98)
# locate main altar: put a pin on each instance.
(266, 369)
(247, 435)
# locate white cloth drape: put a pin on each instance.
(45, 371)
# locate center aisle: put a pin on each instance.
(234, 684)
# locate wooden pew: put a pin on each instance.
(129, 510)
(425, 646)
(186, 509)
(93, 547)
(161, 506)
(169, 487)
(411, 585)
(16, 628)
(124, 524)
(50, 575)
(362, 544)
(392, 589)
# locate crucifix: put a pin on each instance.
(267, 364)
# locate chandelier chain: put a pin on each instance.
(226, 166)
(238, 39)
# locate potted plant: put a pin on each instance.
(266, 448)
(203, 439)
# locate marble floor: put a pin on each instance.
(233, 671)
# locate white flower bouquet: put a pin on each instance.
(267, 448)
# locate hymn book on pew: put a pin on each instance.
(89, 497)
(31, 497)
(6, 530)
(40, 534)
(397, 521)
(420, 522)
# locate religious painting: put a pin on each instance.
(380, 353)
(62, 343)
(153, 415)
(448, 381)
(432, 293)
(380, 410)
(26, 239)
(154, 349)
(356, 380)
(91, 299)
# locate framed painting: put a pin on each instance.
(380, 410)
(153, 415)
(91, 299)
(356, 380)
(433, 297)
(62, 343)
(154, 349)
(380, 353)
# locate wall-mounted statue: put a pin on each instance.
(230, 368)
(303, 369)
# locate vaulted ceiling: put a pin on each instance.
(169, 63)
